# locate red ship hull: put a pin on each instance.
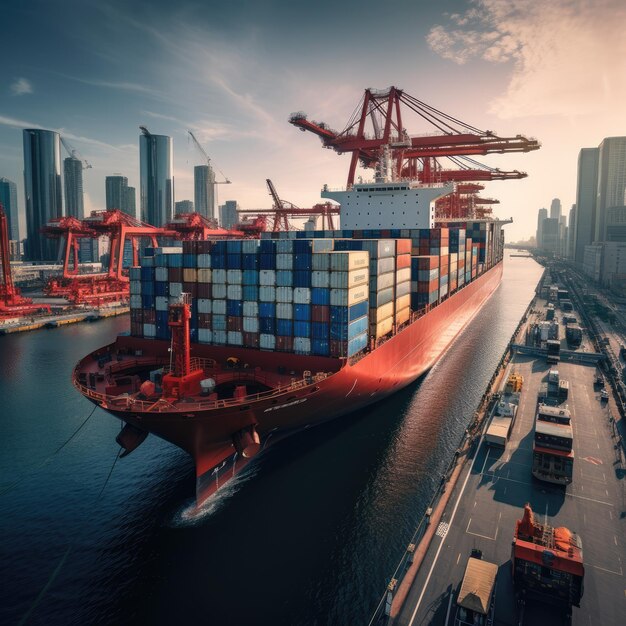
(208, 434)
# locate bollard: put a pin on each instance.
(411, 552)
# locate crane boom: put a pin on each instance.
(74, 154)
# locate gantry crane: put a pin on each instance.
(12, 304)
(75, 154)
(282, 210)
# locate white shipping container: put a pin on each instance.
(348, 297)
(321, 261)
(284, 247)
(161, 273)
(403, 301)
(349, 260)
(161, 303)
(383, 281)
(204, 305)
(250, 309)
(301, 345)
(176, 289)
(267, 278)
(234, 292)
(266, 294)
(219, 291)
(205, 335)
(135, 301)
(403, 275)
(302, 295)
(284, 294)
(320, 278)
(341, 280)
(204, 275)
(218, 306)
(218, 276)
(284, 310)
(149, 330)
(204, 261)
(382, 328)
(284, 261)
(220, 337)
(234, 277)
(135, 287)
(168, 250)
(250, 246)
(267, 342)
(250, 324)
(381, 313)
(235, 338)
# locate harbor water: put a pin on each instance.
(308, 535)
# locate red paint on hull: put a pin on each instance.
(207, 435)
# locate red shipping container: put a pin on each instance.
(191, 288)
(404, 260)
(136, 328)
(251, 340)
(204, 320)
(204, 290)
(136, 315)
(338, 348)
(149, 316)
(403, 246)
(320, 313)
(175, 274)
(234, 323)
(284, 344)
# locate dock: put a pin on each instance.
(486, 493)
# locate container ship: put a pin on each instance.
(234, 344)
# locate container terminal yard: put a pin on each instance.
(474, 518)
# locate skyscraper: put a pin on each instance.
(204, 190)
(555, 209)
(115, 188)
(73, 175)
(131, 206)
(586, 189)
(228, 214)
(571, 234)
(541, 216)
(8, 199)
(550, 235)
(183, 206)
(157, 180)
(42, 188)
(611, 181)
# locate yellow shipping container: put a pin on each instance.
(403, 315)
(190, 274)
(403, 301)
(204, 276)
(382, 328)
(381, 313)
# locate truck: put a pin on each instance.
(475, 604)
(574, 336)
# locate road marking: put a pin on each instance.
(610, 571)
(442, 529)
(482, 471)
(615, 539)
(449, 607)
(458, 558)
(432, 567)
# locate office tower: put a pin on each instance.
(131, 207)
(616, 224)
(8, 199)
(228, 214)
(73, 175)
(611, 181)
(115, 187)
(562, 247)
(571, 234)
(204, 190)
(42, 188)
(541, 216)
(183, 206)
(156, 189)
(586, 189)
(550, 235)
(555, 209)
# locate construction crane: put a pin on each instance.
(282, 210)
(75, 154)
(12, 304)
(409, 154)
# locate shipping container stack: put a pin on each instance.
(402, 311)
(424, 281)
(468, 259)
(457, 258)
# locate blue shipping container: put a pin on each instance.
(301, 312)
(320, 347)
(267, 261)
(218, 261)
(284, 278)
(357, 310)
(267, 325)
(284, 328)
(321, 296)
(357, 344)
(147, 273)
(250, 261)
(302, 329)
(320, 330)
(267, 309)
(251, 293)
(302, 278)
(161, 288)
(219, 322)
(233, 261)
(234, 308)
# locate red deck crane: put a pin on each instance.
(12, 304)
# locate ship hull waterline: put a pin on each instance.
(207, 435)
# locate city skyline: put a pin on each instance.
(522, 69)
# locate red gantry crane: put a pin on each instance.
(12, 304)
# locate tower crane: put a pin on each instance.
(75, 154)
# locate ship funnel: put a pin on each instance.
(247, 442)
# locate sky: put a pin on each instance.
(233, 73)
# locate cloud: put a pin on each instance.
(21, 86)
(568, 56)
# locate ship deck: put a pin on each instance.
(489, 497)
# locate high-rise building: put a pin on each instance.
(229, 214)
(616, 223)
(204, 190)
(156, 189)
(131, 206)
(119, 195)
(555, 209)
(550, 235)
(562, 247)
(611, 181)
(586, 189)
(183, 206)
(42, 188)
(8, 199)
(571, 235)
(541, 216)
(73, 178)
